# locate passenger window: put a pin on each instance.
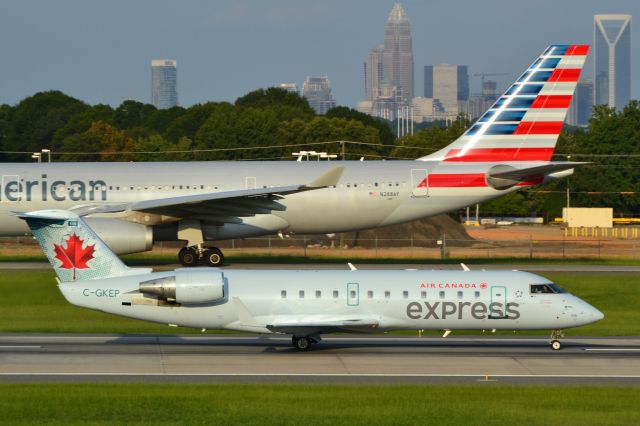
(283, 294)
(387, 294)
(405, 294)
(301, 294)
(352, 294)
(318, 294)
(460, 295)
(423, 294)
(370, 294)
(375, 184)
(442, 295)
(335, 294)
(477, 295)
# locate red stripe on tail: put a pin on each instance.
(552, 101)
(577, 50)
(500, 154)
(565, 75)
(538, 128)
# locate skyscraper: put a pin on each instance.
(581, 105)
(317, 91)
(449, 84)
(397, 55)
(373, 73)
(164, 92)
(612, 60)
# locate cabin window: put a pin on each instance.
(477, 295)
(318, 294)
(405, 294)
(370, 294)
(283, 294)
(301, 294)
(460, 295)
(442, 295)
(375, 184)
(352, 294)
(423, 294)
(335, 294)
(387, 294)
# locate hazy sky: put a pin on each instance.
(100, 51)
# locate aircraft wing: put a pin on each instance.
(223, 207)
(529, 172)
(358, 325)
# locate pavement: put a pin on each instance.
(425, 266)
(37, 358)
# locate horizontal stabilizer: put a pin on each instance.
(529, 172)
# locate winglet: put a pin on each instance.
(330, 178)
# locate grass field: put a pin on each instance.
(318, 404)
(32, 303)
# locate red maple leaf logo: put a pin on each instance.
(74, 256)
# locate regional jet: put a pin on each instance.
(303, 304)
(133, 205)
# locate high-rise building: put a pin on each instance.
(317, 91)
(397, 55)
(612, 60)
(449, 84)
(373, 72)
(164, 78)
(581, 105)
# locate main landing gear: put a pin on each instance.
(555, 340)
(303, 343)
(192, 256)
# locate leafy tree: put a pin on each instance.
(81, 122)
(132, 114)
(384, 130)
(101, 142)
(287, 105)
(5, 120)
(157, 144)
(188, 124)
(430, 139)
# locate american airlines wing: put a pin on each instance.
(224, 206)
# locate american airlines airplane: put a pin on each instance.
(132, 205)
(304, 304)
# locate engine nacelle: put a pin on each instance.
(187, 286)
(121, 236)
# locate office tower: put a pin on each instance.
(289, 87)
(317, 91)
(397, 55)
(612, 60)
(164, 92)
(581, 105)
(373, 73)
(449, 85)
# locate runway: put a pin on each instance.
(337, 359)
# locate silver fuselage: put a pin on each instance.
(369, 194)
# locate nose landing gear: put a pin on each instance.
(555, 344)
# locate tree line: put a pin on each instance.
(274, 123)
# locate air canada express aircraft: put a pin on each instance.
(132, 205)
(304, 304)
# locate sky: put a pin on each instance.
(100, 51)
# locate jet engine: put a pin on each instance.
(121, 236)
(187, 286)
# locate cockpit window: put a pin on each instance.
(546, 289)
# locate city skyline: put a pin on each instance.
(100, 53)
(612, 59)
(164, 83)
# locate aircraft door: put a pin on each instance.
(498, 305)
(419, 183)
(11, 188)
(250, 182)
(353, 294)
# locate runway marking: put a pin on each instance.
(20, 347)
(613, 349)
(542, 376)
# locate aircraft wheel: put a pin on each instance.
(188, 256)
(556, 345)
(301, 343)
(213, 257)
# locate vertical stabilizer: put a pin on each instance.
(525, 122)
(72, 247)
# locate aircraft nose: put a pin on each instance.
(596, 314)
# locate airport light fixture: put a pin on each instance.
(38, 156)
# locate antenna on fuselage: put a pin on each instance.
(351, 267)
(465, 267)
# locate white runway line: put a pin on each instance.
(541, 376)
(19, 347)
(613, 349)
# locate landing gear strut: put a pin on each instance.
(555, 340)
(191, 256)
(303, 343)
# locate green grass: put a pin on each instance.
(32, 303)
(318, 404)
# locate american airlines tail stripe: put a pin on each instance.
(455, 180)
(571, 62)
(577, 50)
(552, 101)
(558, 88)
(500, 154)
(538, 128)
(565, 74)
(544, 114)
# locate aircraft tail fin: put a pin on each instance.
(525, 122)
(72, 247)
